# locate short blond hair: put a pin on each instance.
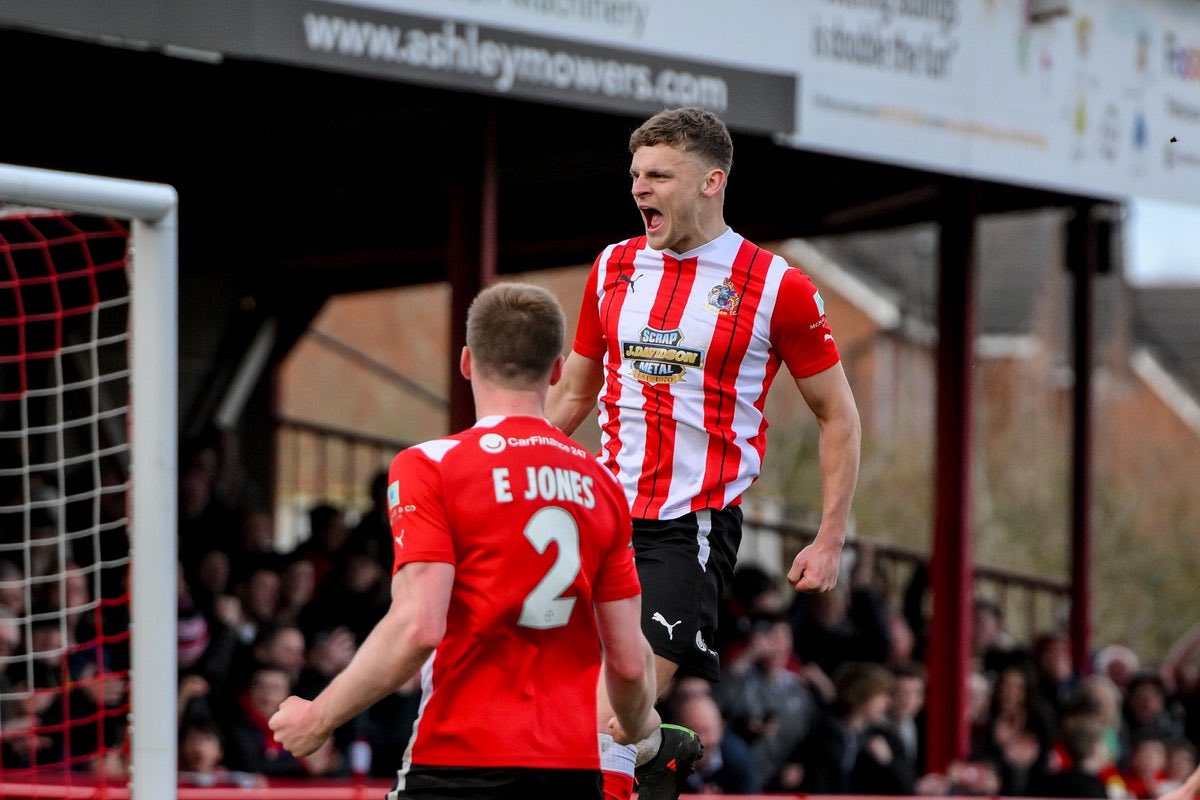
(515, 332)
(692, 130)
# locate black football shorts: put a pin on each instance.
(684, 565)
(496, 783)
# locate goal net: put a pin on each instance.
(87, 481)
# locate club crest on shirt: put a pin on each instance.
(658, 358)
(393, 500)
(723, 299)
(819, 302)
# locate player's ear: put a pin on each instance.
(556, 371)
(464, 362)
(714, 182)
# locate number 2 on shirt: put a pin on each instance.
(544, 608)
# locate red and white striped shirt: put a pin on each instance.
(690, 344)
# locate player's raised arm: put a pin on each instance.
(394, 651)
(829, 396)
(574, 396)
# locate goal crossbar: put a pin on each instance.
(152, 210)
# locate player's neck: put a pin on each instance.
(704, 233)
(493, 402)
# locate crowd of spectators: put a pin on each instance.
(256, 625)
(64, 618)
(820, 694)
(825, 694)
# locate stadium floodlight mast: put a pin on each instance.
(152, 209)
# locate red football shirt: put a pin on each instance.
(537, 531)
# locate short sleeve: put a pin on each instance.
(589, 335)
(416, 513)
(617, 577)
(800, 333)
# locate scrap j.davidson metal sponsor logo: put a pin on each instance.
(658, 358)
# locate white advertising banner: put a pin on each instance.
(885, 76)
(1100, 97)
(1103, 99)
(630, 56)
(748, 33)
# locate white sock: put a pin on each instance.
(616, 757)
(648, 748)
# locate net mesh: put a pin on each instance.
(64, 452)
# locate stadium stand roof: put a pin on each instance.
(1166, 321)
(1019, 253)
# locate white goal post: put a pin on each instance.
(152, 210)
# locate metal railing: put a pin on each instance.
(316, 463)
(321, 463)
(1030, 604)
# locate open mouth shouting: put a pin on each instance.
(653, 219)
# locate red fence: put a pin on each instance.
(308, 790)
(80, 789)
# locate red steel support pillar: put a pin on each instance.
(1082, 262)
(473, 241)
(949, 650)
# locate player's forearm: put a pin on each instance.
(839, 448)
(573, 397)
(392, 653)
(567, 408)
(1191, 786)
(632, 694)
(1189, 789)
